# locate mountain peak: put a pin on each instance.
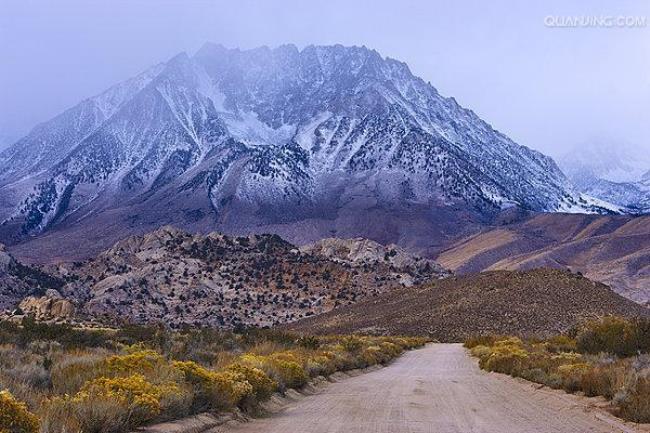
(245, 139)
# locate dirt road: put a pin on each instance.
(437, 389)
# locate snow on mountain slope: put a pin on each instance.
(616, 173)
(273, 135)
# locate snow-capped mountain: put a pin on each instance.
(234, 139)
(611, 171)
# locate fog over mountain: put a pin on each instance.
(547, 88)
(306, 143)
(611, 170)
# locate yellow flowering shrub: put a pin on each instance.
(283, 367)
(506, 358)
(115, 388)
(143, 362)
(289, 369)
(115, 405)
(572, 375)
(372, 355)
(391, 349)
(263, 386)
(481, 351)
(213, 389)
(142, 397)
(14, 416)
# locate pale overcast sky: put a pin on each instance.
(548, 88)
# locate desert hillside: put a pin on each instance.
(18, 280)
(179, 278)
(537, 302)
(612, 249)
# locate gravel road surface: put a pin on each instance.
(437, 389)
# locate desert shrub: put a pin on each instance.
(572, 375)
(284, 368)
(482, 340)
(509, 359)
(145, 400)
(308, 342)
(322, 363)
(536, 375)
(69, 337)
(555, 363)
(352, 344)
(561, 343)
(609, 335)
(112, 381)
(262, 385)
(135, 361)
(633, 400)
(372, 355)
(31, 374)
(214, 390)
(14, 416)
(289, 371)
(89, 414)
(480, 351)
(408, 343)
(505, 356)
(390, 349)
(70, 372)
(598, 381)
(115, 405)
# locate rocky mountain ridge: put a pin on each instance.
(305, 143)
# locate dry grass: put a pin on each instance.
(603, 359)
(133, 377)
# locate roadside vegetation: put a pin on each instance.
(607, 357)
(56, 379)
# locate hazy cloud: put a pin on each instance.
(548, 87)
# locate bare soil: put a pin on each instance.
(437, 389)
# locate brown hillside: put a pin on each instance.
(535, 302)
(611, 249)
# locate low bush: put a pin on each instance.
(482, 340)
(14, 416)
(115, 404)
(614, 335)
(603, 360)
(633, 400)
(507, 358)
(262, 385)
(114, 381)
(572, 375)
(213, 389)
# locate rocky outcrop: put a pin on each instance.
(52, 306)
(360, 251)
(178, 278)
(18, 281)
